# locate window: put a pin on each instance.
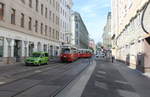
(45, 12)
(57, 35)
(45, 29)
(76, 26)
(22, 20)
(23, 1)
(50, 31)
(1, 11)
(50, 15)
(36, 26)
(41, 28)
(53, 17)
(42, 9)
(30, 3)
(53, 3)
(56, 6)
(1, 46)
(30, 23)
(53, 33)
(37, 4)
(56, 20)
(13, 14)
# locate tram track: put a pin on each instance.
(60, 75)
(30, 72)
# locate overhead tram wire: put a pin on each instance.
(142, 18)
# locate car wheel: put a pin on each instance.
(46, 63)
(39, 63)
(26, 64)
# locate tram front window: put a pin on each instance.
(66, 51)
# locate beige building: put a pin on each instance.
(107, 33)
(80, 34)
(130, 42)
(33, 25)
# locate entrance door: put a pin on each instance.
(31, 47)
(51, 50)
(17, 50)
(39, 47)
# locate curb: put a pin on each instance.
(59, 90)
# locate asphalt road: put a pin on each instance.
(116, 80)
(42, 81)
(10, 73)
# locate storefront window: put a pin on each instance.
(1, 46)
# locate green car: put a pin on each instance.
(37, 58)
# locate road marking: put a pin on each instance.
(100, 76)
(101, 85)
(2, 83)
(37, 71)
(122, 82)
(101, 72)
(124, 93)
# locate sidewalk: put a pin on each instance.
(51, 60)
(116, 80)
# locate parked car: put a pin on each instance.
(37, 58)
(100, 55)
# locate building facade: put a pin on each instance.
(107, 33)
(32, 25)
(130, 42)
(80, 35)
(92, 45)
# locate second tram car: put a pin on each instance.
(85, 53)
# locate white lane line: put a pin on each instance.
(101, 72)
(124, 93)
(101, 85)
(100, 76)
(2, 83)
(37, 71)
(122, 82)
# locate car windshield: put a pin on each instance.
(36, 55)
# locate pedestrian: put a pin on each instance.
(112, 59)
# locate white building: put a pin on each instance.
(107, 43)
(33, 25)
(131, 44)
(80, 35)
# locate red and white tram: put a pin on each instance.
(68, 54)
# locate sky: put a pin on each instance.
(94, 14)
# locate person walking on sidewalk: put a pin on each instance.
(112, 59)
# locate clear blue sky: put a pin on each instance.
(94, 14)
